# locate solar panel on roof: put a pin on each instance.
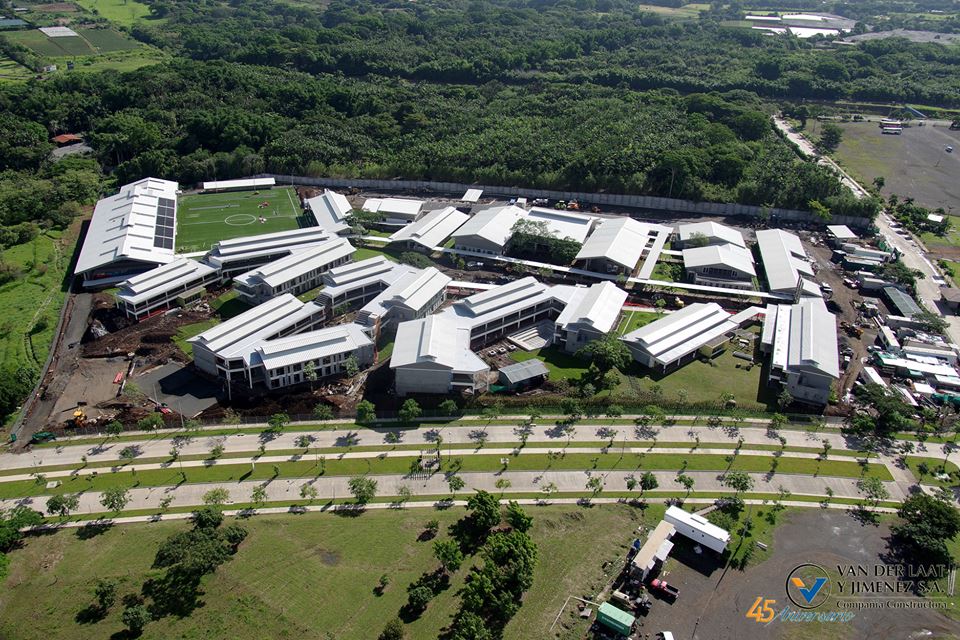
(166, 214)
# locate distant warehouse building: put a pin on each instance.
(173, 284)
(707, 234)
(786, 265)
(802, 342)
(242, 184)
(129, 233)
(488, 231)
(901, 302)
(394, 210)
(297, 273)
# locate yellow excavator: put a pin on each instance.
(79, 417)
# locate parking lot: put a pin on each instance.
(713, 603)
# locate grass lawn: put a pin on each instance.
(633, 320)
(204, 219)
(934, 466)
(106, 40)
(950, 239)
(11, 70)
(704, 382)
(122, 12)
(188, 331)
(289, 565)
(228, 305)
(560, 363)
(663, 271)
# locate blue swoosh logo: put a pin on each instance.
(811, 593)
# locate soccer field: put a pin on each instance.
(204, 219)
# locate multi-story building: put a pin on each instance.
(297, 273)
(173, 284)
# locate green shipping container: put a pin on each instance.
(615, 619)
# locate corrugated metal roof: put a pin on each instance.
(312, 345)
(682, 332)
(562, 224)
(245, 183)
(393, 206)
(493, 225)
(433, 228)
(163, 278)
(841, 232)
(526, 370)
(239, 249)
(598, 306)
(124, 225)
(330, 210)
(784, 259)
(435, 340)
(728, 256)
(276, 273)
(714, 233)
(905, 304)
(620, 240)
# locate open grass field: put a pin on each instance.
(914, 164)
(50, 47)
(686, 12)
(107, 40)
(309, 576)
(122, 12)
(633, 320)
(561, 364)
(31, 303)
(205, 219)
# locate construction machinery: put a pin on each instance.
(79, 415)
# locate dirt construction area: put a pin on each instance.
(914, 164)
(713, 604)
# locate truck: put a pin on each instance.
(664, 588)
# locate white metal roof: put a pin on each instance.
(597, 306)
(162, 279)
(872, 376)
(728, 256)
(298, 263)
(125, 225)
(239, 336)
(502, 296)
(841, 232)
(812, 338)
(413, 289)
(311, 345)
(390, 207)
(437, 340)
(676, 515)
(355, 271)
(433, 228)
(682, 332)
(472, 195)
(240, 249)
(493, 225)
(245, 183)
(620, 240)
(331, 210)
(714, 232)
(562, 224)
(58, 32)
(784, 259)
(525, 370)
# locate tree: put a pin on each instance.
(216, 497)
(686, 481)
(277, 422)
(393, 630)
(151, 422)
(106, 593)
(784, 400)
(410, 411)
(63, 504)
(309, 492)
(879, 182)
(614, 411)
(418, 598)
(873, 489)
(777, 422)
(484, 510)
(310, 373)
(739, 481)
(216, 451)
(549, 489)
(607, 353)
(595, 485)
(449, 408)
(136, 618)
(571, 408)
(830, 137)
(928, 523)
(258, 496)
(503, 484)
(648, 482)
(455, 483)
(364, 489)
(448, 554)
(931, 322)
(518, 518)
(404, 493)
(351, 367)
(323, 411)
(820, 210)
(115, 499)
(366, 412)
(114, 428)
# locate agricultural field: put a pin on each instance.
(13, 70)
(205, 219)
(51, 47)
(686, 12)
(914, 165)
(91, 50)
(122, 12)
(320, 580)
